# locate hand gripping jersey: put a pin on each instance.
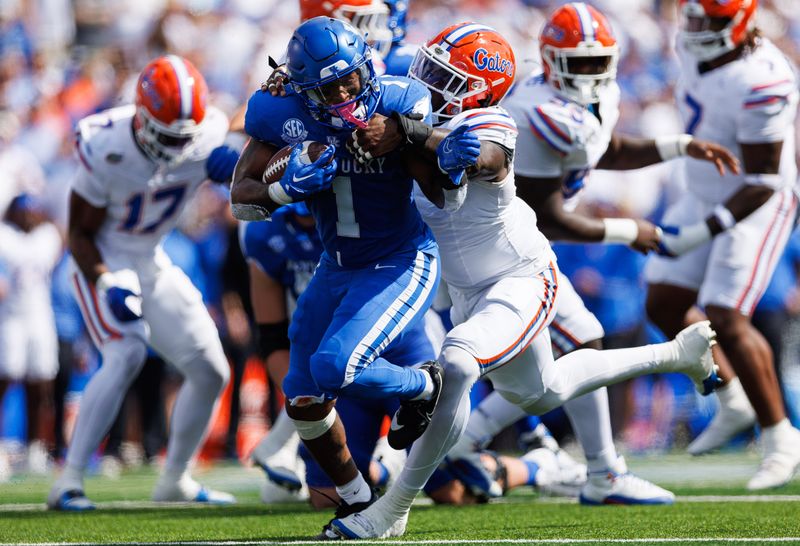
(750, 100)
(142, 199)
(368, 214)
(283, 250)
(484, 231)
(560, 138)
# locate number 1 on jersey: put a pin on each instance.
(346, 225)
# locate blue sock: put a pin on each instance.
(382, 379)
(383, 476)
(533, 468)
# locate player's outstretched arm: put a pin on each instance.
(761, 164)
(625, 153)
(544, 196)
(249, 195)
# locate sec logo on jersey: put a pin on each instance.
(293, 131)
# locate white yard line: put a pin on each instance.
(676, 540)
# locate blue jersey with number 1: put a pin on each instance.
(369, 213)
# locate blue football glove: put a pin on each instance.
(220, 163)
(459, 150)
(301, 180)
(125, 304)
(678, 240)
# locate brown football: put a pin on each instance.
(276, 166)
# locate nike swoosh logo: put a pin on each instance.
(295, 179)
(379, 266)
(395, 425)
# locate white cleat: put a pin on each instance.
(70, 500)
(779, 465)
(694, 357)
(727, 423)
(285, 472)
(188, 490)
(272, 493)
(618, 486)
(372, 522)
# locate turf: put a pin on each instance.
(522, 516)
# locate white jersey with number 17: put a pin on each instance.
(142, 199)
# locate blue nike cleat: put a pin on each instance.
(72, 500)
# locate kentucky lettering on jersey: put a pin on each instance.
(368, 213)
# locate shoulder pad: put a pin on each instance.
(768, 82)
(94, 135)
(559, 123)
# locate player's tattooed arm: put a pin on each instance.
(250, 198)
(85, 221)
(544, 196)
(625, 153)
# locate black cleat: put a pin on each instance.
(342, 511)
(414, 416)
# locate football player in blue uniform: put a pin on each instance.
(379, 269)
(282, 255)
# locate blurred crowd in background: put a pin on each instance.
(61, 60)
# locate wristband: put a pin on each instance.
(724, 217)
(278, 194)
(414, 130)
(672, 146)
(620, 230)
(774, 181)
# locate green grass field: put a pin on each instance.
(713, 508)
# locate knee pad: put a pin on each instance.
(327, 370)
(459, 365)
(310, 430)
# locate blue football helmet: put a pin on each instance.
(322, 51)
(398, 10)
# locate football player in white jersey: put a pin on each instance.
(566, 115)
(725, 235)
(140, 164)
(30, 249)
(500, 271)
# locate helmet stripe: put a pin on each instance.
(185, 84)
(460, 32)
(585, 19)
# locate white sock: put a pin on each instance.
(282, 436)
(103, 397)
(356, 490)
(776, 435)
(732, 395)
(427, 392)
(71, 478)
(448, 423)
(197, 397)
(585, 370)
(591, 422)
(492, 415)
